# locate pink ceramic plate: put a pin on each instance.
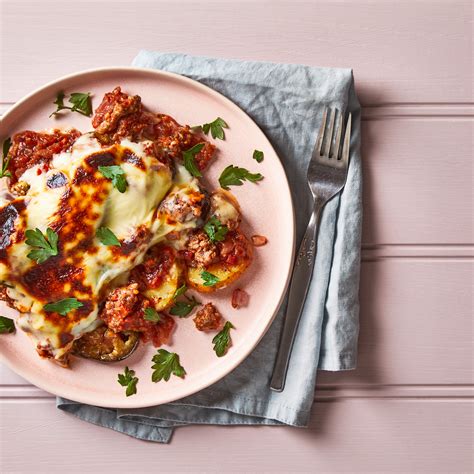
(267, 210)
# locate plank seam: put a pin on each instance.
(323, 392)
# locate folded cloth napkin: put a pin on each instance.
(286, 101)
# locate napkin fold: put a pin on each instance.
(286, 101)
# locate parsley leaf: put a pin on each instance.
(4, 173)
(209, 278)
(117, 175)
(107, 237)
(216, 127)
(180, 291)
(215, 230)
(80, 101)
(165, 364)
(152, 315)
(7, 325)
(222, 340)
(234, 176)
(190, 162)
(258, 156)
(128, 379)
(63, 307)
(46, 246)
(183, 308)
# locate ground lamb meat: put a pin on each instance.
(184, 206)
(124, 311)
(202, 251)
(208, 318)
(234, 248)
(120, 303)
(114, 106)
(123, 116)
(30, 148)
(156, 265)
(172, 139)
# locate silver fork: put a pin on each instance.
(327, 173)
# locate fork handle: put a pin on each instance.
(300, 280)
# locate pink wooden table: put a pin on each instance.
(409, 406)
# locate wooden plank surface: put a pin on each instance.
(403, 51)
(406, 435)
(408, 407)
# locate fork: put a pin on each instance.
(327, 173)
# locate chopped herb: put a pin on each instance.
(165, 364)
(183, 308)
(117, 175)
(216, 127)
(107, 237)
(258, 156)
(128, 379)
(222, 339)
(63, 307)
(152, 315)
(180, 291)
(215, 230)
(4, 173)
(209, 278)
(80, 101)
(235, 176)
(7, 325)
(190, 162)
(46, 246)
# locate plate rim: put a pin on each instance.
(130, 403)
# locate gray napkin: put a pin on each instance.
(286, 101)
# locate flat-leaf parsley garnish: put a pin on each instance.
(235, 176)
(164, 364)
(180, 291)
(4, 173)
(128, 379)
(190, 161)
(63, 307)
(117, 175)
(183, 308)
(7, 325)
(258, 156)
(107, 237)
(209, 278)
(222, 339)
(151, 314)
(45, 246)
(216, 128)
(215, 230)
(80, 101)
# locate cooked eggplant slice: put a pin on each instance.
(106, 345)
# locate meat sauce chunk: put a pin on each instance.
(123, 116)
(30, 148)
(124, 311)
(208, 318)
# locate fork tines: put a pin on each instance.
(329, 143)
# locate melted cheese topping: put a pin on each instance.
(75, 199)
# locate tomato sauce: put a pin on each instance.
(30, 148)
(156, 265)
